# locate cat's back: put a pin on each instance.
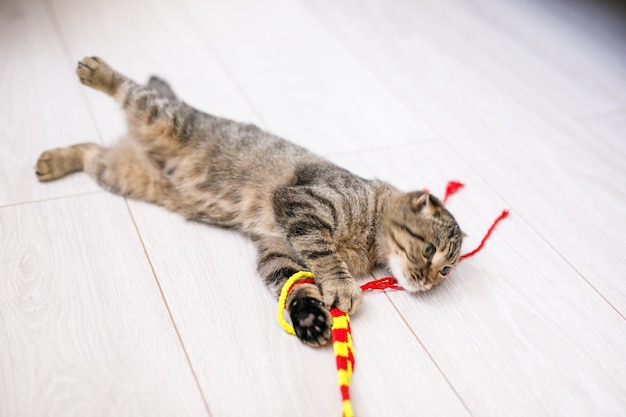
(229, 171)
(244, 155)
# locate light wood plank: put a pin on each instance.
(83, 327)
(227, 318)
(40, 105)
(585, 79)
(585, 42)
(515, 329)
(610, 130)
(308, 86)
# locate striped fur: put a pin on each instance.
(303, 212)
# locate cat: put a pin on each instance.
(302, 212)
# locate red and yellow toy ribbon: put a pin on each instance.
(341, 334)
(282, 298)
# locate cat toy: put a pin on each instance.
(341, 334)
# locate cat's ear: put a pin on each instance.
(426, 204)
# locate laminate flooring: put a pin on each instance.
(114, 307)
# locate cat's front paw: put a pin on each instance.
(95, 73)
(342, 293)
(311, 320)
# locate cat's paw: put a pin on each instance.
(55, 163)
(343, 293)
(95, 73)
(311, 320)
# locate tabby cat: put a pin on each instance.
(303, 212)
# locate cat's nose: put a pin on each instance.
(433, 279)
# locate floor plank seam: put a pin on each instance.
(224, 66)
(359, 57)
(602, 115)
(572, 267)
(354, 152)
(430, 356)
(43, 200)
(65, 46)
(169, 311)
(56, 25)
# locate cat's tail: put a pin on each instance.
(162, 87)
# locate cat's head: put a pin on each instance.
(419, 240)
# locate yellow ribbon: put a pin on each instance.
(282, 299)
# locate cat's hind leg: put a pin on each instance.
(56, 163)
(96, 73)
(123, 169)
(310, 318)
(155, 116)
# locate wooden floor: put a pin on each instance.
(112, 307)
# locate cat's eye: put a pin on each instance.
(445, 270)
(428, 250)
